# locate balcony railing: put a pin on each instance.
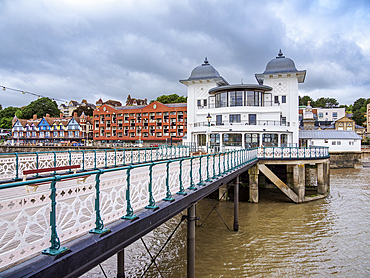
(238, 104)
(259, 122)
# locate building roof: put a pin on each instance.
(280, 64)
(205, 71)
(251, 87)
(328, 134)
(142, 106)
(176, 104)
(359, 126)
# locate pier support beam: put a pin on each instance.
(322, 178)
(222, 196)
(121, 264)
(253, 184)
(299, 181)
(191, 242)
(236, 204)
(289, 176)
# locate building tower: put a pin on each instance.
(202, 78)
(282, 75)
(308, 120)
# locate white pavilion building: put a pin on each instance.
(224, 116)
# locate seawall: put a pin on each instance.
(345, 160)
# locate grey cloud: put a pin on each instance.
(143, 48)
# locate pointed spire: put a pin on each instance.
(280, 55)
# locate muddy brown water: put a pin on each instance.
(324, 238)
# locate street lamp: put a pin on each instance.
(209, 117)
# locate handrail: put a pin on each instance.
(293, 152)
(12, 165)
(201, 163)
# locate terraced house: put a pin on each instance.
(52, 130)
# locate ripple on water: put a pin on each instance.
(325, 238)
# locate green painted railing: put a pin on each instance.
(12, 165)
(204, 163)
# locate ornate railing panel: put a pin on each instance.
(292, 152)
(84, 201)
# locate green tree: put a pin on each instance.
(7, 115)
(326, 102)
(40, 107)
(359, 117)
(86, 109)
(361, 102)
(174, 98)
(304, 100)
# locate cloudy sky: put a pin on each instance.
(91, 49)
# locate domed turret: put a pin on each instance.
(204, 71)
(280, 64)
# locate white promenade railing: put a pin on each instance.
(12, 165)
(63, 208)
(293, 152)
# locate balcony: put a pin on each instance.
(259, 123)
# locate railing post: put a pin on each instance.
(201, 182)
(182, 190)
(152, 204)
(168, 193)
(16, 166)
(208, 177)
(83, 160)
(115, 158)
(106, 159)
(192, 185)
(132, 157)
(70, 160)
(138, 155)
(55, 248)
(37, 163)
(145, 155)
(228, 162)
(124, 157)
(214, 170)
(95, 159)
(129, 211)
(99, 225)
(55, 161)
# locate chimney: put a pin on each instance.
(61, 115)
(47, 116)
(34, 116)
(75, 115)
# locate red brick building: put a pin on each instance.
(155, 122)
